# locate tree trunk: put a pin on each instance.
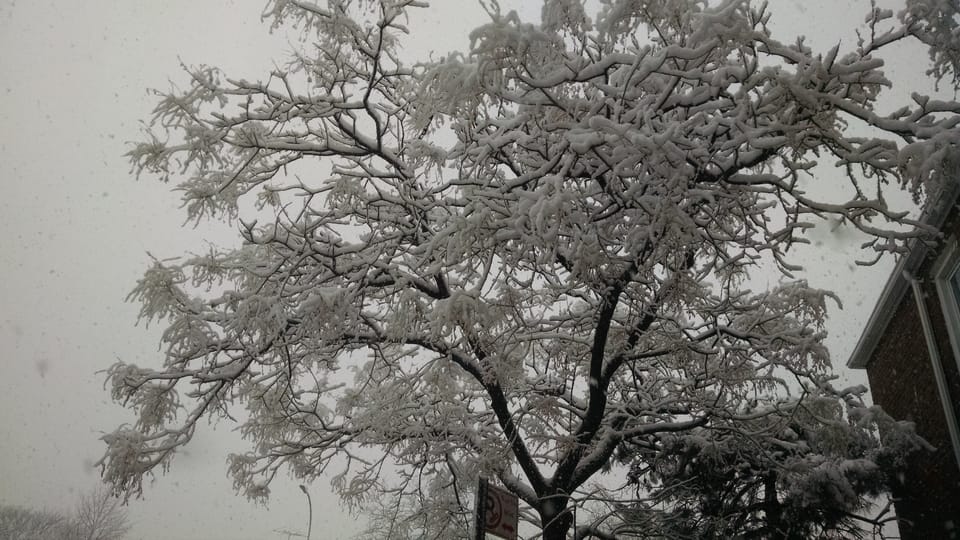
(555, 518)
(771, 507)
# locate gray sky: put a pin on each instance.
(76, 229)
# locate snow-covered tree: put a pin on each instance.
(18, 523)
(97, 516)
(521, 261)
(817, 474)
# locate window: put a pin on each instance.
(946, 273)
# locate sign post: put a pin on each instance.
(498, 512)
(479, 528)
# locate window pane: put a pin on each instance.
(955, 283)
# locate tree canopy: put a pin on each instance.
(530, 261)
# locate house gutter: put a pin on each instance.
(937, 365)
(885, 307)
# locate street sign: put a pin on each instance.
(499, 513)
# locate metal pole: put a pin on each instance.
(481, 510)
(574, 521)
(303, 488)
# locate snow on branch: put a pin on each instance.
(529, 261)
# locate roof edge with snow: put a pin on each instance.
(896, 286)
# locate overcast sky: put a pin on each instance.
(75, 229)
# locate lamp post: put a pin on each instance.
(303, 488)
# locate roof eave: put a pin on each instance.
(885, 307)
(896, 285)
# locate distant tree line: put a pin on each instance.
(97, 516)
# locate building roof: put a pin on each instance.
(935, 214)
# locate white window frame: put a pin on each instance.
(946, 271)
(946, 267)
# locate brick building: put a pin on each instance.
(911, 351)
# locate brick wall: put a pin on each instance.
(902, 382)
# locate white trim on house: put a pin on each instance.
(946, 270)
(893, 291)
(936, 363)
(886, 306)
(946, 267)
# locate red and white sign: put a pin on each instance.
(501, 512)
